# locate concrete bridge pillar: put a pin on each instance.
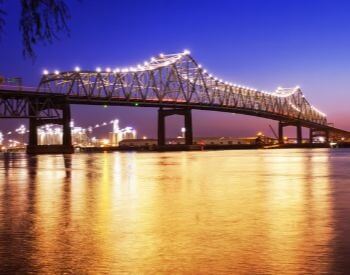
(280, 133)
(188, 127)
(33, 137)
(163, 113)
(311, 136)
(64, 148)
(161, 127)
(67, 133)
(299, 134)
(327, 136)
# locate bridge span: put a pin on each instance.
(174, 83)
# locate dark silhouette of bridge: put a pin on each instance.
(174, 83)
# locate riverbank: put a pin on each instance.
(182, 147)
(209, 147)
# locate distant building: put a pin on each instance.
(128, 133)
(79, 136)
(138, 142)
(198, 140)
(49, 135)
(118, 134)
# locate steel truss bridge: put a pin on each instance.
(175, 83)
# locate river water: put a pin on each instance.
(241, 212)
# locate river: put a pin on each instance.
(283, 211)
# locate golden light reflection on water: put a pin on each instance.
(185, 212)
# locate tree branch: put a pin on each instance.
(2, 20)
(42, 21)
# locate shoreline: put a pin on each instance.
(182, 147)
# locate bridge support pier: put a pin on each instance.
(281, 125)
(299, 134)
(311, 136)
(319, 133)
(280, 133)
(64, 148)
(163, 113)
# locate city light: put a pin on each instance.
(45, 72)
(77, 69)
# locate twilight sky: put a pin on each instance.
(262, 44)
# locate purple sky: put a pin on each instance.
(263, 44)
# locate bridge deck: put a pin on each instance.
(5, 92)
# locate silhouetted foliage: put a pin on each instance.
(40, 21)
(2, 20)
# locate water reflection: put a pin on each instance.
(278, 211)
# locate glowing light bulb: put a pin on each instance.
(57, 72)
(98, 69)
(77, 69)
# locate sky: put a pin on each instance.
(261, 44)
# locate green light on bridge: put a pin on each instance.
(105, 106)
(136, 104)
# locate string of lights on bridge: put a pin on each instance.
(165, 60)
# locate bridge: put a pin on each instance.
(174, 83)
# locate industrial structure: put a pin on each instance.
(174, 83)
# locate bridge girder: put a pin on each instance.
(28, 105)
